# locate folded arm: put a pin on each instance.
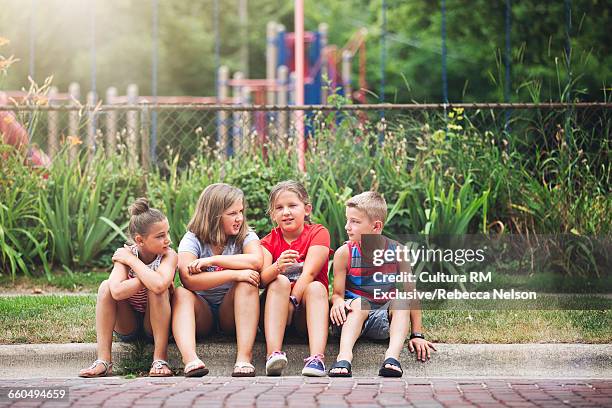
(120, 286)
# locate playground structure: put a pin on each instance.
(322, 76)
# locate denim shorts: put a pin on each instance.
(375, 327)
(138, 334)
(214, 310)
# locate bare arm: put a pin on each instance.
(120, 286)
(193, 280)
(156, 281)
(252, 258)
(204, 280)
(337, 312)
(269, 271)
(315, 259)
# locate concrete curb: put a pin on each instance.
(451, 360)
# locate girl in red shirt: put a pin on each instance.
(296, 254)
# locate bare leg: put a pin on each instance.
(239, 313)
(398, 330)
(157, 322)
(351, 329)
(190, 317)
(276, 313)
(316, 303)
(110, 313)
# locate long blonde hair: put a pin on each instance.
(292, 186)
(206, 222)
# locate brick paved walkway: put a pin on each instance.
(117, 392)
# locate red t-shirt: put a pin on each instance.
(313, 234)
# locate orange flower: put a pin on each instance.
(74, 140)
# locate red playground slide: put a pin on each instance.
(13, 133)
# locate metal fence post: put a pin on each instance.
(323, 29)
(73, 119)
(53, 123)
(237, 116)
(132, 125)
(222, 129)
(111, 122)
(91, 125)
(283, 77)
(145, 123)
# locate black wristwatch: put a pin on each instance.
(417, 335)
(294, 301)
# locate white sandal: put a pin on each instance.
(158, 365)
(243, 364)
(195, 368)
(108, 369)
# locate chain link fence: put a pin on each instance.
(154, 133)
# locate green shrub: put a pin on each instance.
(24, 235)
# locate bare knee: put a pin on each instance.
(158, 298)
(243, 289)
(104, 290)
(280, 285)
(182, 296)
(315, 291)
(359, 307)
(399, 313)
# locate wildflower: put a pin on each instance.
(74, 140)
(8, 119)
(42, 101)
(4, 41)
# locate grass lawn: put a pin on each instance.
(63, 319)
(86, 282)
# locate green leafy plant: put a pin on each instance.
(24, 236)
(82, 197)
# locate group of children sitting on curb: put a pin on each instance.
(223, 265)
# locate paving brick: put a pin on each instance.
(297, 392)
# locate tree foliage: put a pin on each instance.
(475, 43)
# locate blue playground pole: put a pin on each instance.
(154, 60)
(93, 66)
(32, 43)
(383, 61)
(568, 46)
(507, 60)
(444, 76)
(383, 53)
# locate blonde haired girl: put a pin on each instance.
(219, 264)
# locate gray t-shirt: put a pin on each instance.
(190, 243)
